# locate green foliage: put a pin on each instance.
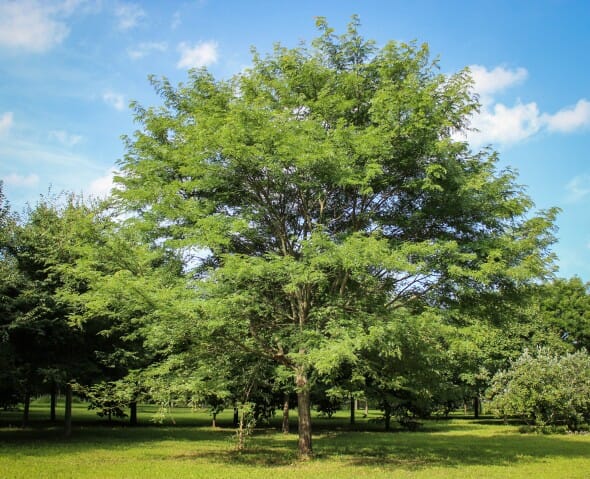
(107, 398)
(545, 389)
(564, 304)
(324, 189)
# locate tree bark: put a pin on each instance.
(53, 401)
(352, 410)
(476, 407)
(285, 427)
(27, 408)
(133, 413)
(304, 415)
(214, 420)
(68, 411)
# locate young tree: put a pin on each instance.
(324, 189)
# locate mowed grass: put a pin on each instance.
(456, 448)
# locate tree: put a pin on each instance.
(324, 189)
(46, 351)
(564, 305)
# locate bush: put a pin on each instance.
(544, 389)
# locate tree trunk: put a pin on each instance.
(27, 408)
(53, 401)
(133, 413)
(286, 414)
(304, 415)
(387, 413)
(366, 408)
(214, 420)
(476, 407)
(352, 409)
(236, 422)
(68, 411)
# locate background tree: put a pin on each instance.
(324, 189)
(564, 305)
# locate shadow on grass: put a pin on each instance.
(481, 443)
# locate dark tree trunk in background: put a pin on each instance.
(387, 414)
(133, 413)
(352, 409)
(285, 427)
(68, 411)
(27, 407)
(476, 407)
(236, 421)
(53, 401)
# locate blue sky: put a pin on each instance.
(68, 69)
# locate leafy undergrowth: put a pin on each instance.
(458, 448)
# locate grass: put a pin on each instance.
(457, 448)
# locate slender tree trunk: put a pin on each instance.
(236, 421)
(27, 407)
(53, 401)
(304, 415)
(214, 420)
(68, 411)
(366, 408)
(387, 413)
(476, 407)
(286, 414)
(133, 413)
(352, 409)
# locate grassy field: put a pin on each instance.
(456, 448)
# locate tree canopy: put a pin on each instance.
(326, 194)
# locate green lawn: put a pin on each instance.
(457, 448)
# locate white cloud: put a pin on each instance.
(144, 49)
(35, 26)
(578, 188)
(15, 179)
(65, 138)
(116, 100)
(128, 15)
(6, 121)
(102, 186)
(498, 123)
(487, 82)
(199, 55)
(505, 125)
(569, 119)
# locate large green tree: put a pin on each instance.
(323, 189)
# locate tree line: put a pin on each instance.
(310, 231)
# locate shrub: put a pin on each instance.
(544, 389)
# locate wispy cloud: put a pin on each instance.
(65, 138)
(116, 100)
(176, 21)
(17, 180)
(488, 82)
(102, 186)
(6, 121)
(198, 55)
(578, 188)
(128, 15)
(35, 26)
(570, 119)
(505, 125)
(144, 49)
